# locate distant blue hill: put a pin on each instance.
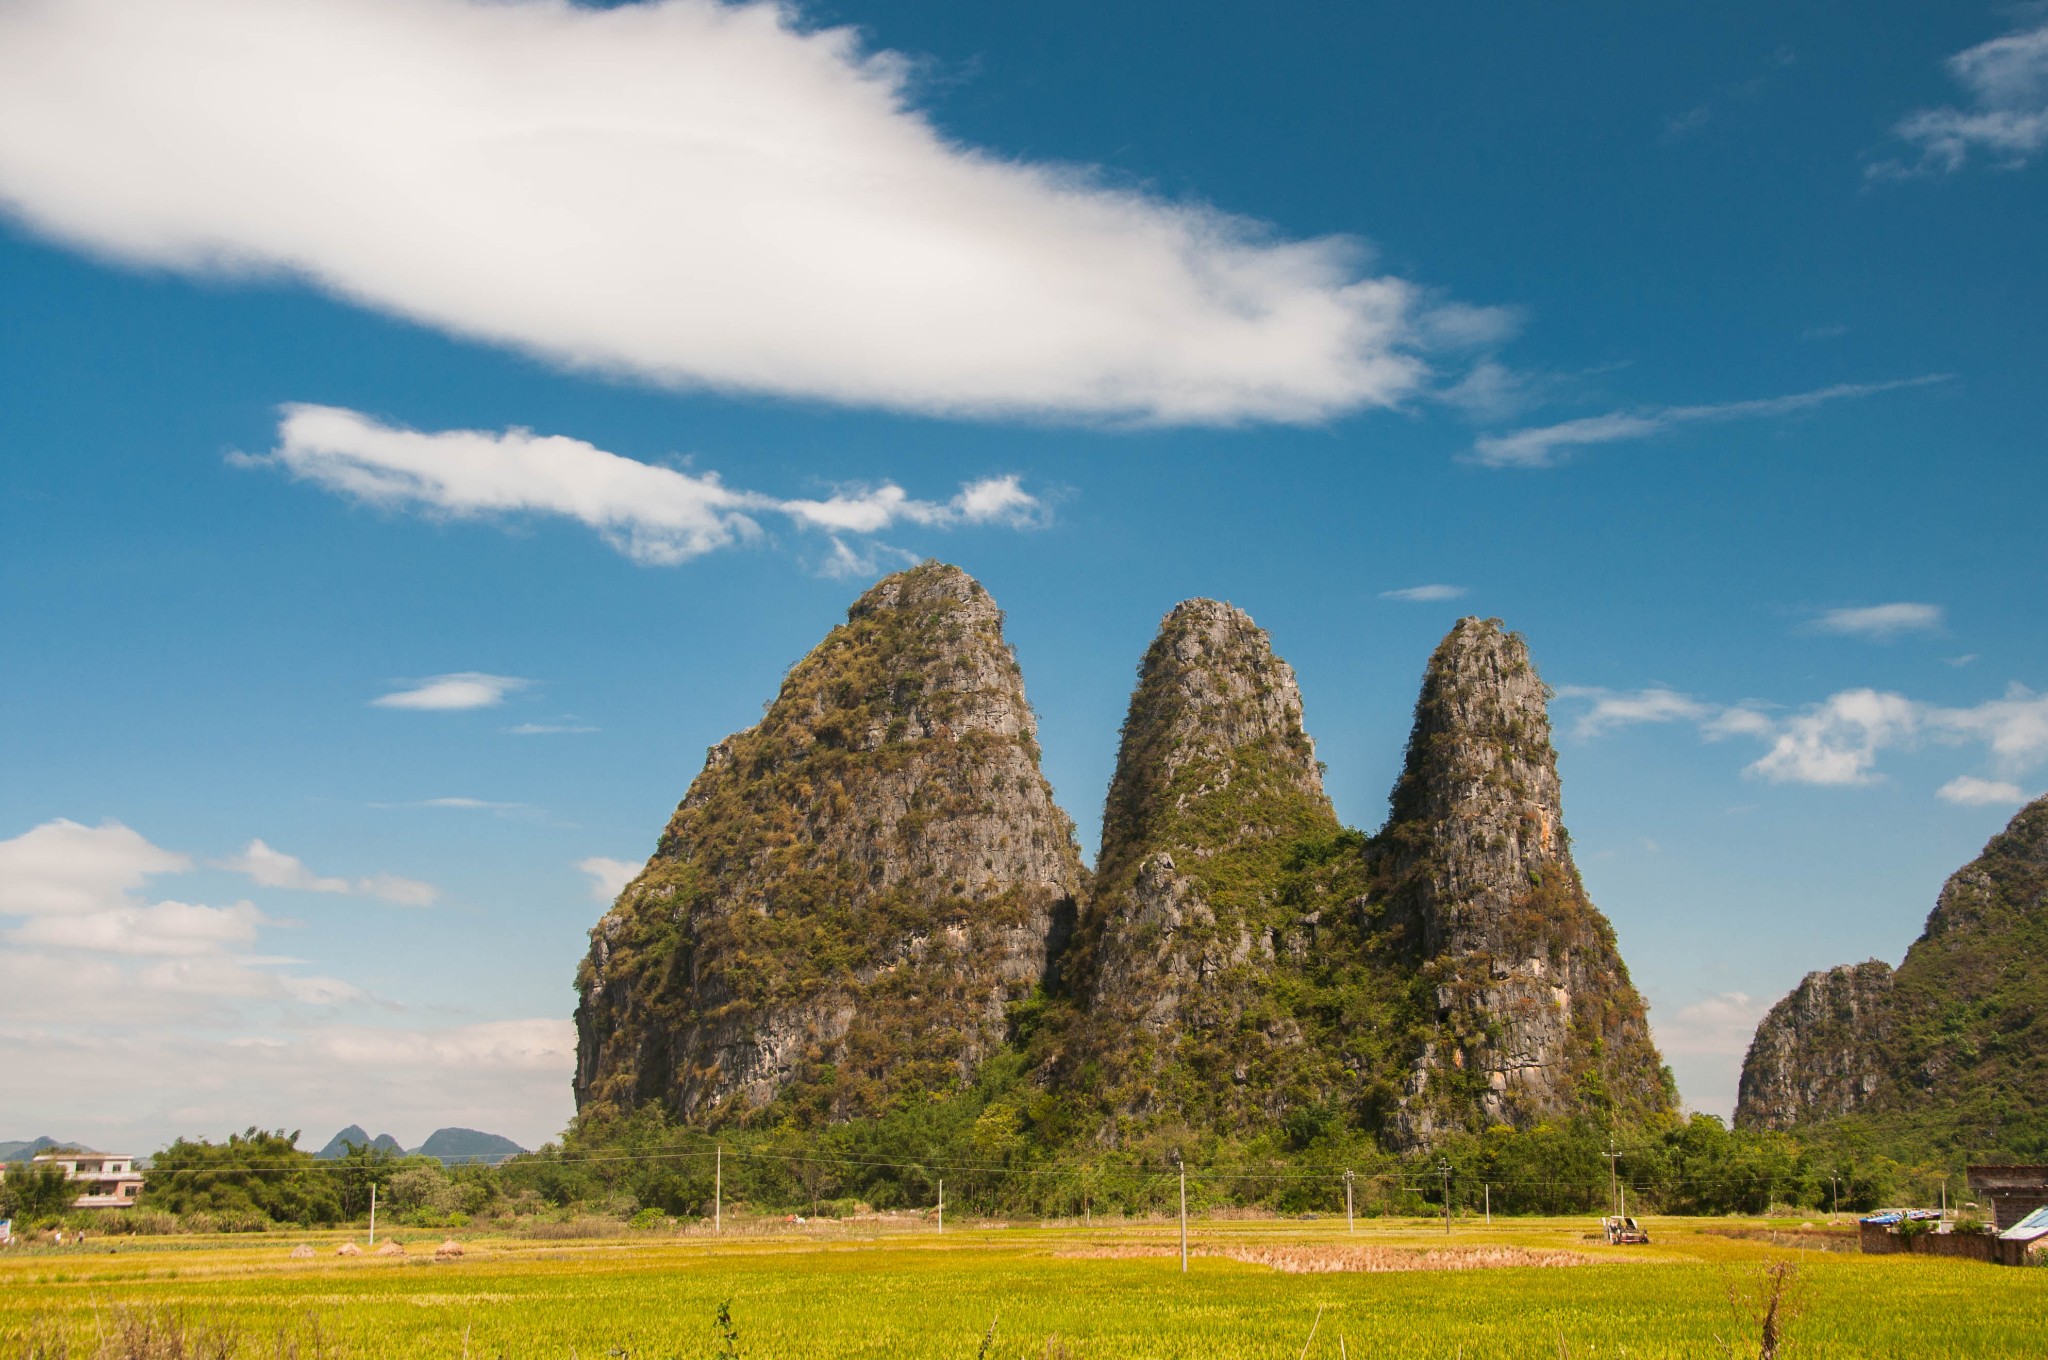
(337, 1146)
(452, 1146)
(21, 1152)
(455, 1146)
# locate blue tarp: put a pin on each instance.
(2027, 1229)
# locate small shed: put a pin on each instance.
(2012, 1190)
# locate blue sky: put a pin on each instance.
(597, 359)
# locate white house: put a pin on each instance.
(105, 1180)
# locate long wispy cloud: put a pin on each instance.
(1433, 593)
(1839, 740)
(2005, 120)
(1543, 446)
(454, 692)
(272, 868)
(655, 515)
(1881, 622)
(684, 191)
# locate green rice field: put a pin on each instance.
(1255, 1288)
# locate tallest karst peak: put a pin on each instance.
(1535, 1013)
(853, 889)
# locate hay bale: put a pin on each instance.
(348, 1249)
(449, 1248)
(301, 1252)
(391, 1249)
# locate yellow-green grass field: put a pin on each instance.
(882, 1288)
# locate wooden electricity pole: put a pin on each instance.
(1613, 1176)
(1350, 1224)
(1443, 1169)
(373, 1213)
(942, 1204)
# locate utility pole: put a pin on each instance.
(942, 1204)
(1613, 1176)
(718, 1189)
(1835, 1184)
(1487, 1190)
(1350, 1224)
(373, 1213)
(1443, 1169)
(1183, 1169)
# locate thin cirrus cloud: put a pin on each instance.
(1881, 622)
(1839, 740)
(657, 516)
(1543, 446)
(2006, 118)
(1429, 594)
(273, 868)
(687, 192)
(453, 692)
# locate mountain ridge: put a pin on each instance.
(870, 898)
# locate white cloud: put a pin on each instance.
(2007, 117)
(689, 192)
(1837, 741)
(549, 729)
(1428, 594)
(1491, 391)
(62, 867)
(405, 892)
(516, 1045)
(1970, 791)
(74, 888)
(461, 690)
(609, 877)
(275, 869)
(655, 515)
(186, 1078)
(464, 805)
(2015, 727)
(845, 563)
(1715, 1026)
(1543, 446)
(1613, 708)
(207, 1035)
(1705, 1041)
(1881, 622)
(163, 928)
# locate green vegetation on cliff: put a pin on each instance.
(1949, 1053)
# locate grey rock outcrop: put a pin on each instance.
(852, 892)
(1950, 1049)
(1535, 1015)
(1817, 1053)
(1215, 775)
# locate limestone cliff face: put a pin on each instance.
(1954, 1050)
(1816, 1054)
(1229, 911)
(1214, 763)
(1535, 1014)
(852, 891)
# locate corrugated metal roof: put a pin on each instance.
(2027, 1229)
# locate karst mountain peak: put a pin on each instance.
(852, 891)
(1949, 1048)
(1534, 1010)
(870, 897)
